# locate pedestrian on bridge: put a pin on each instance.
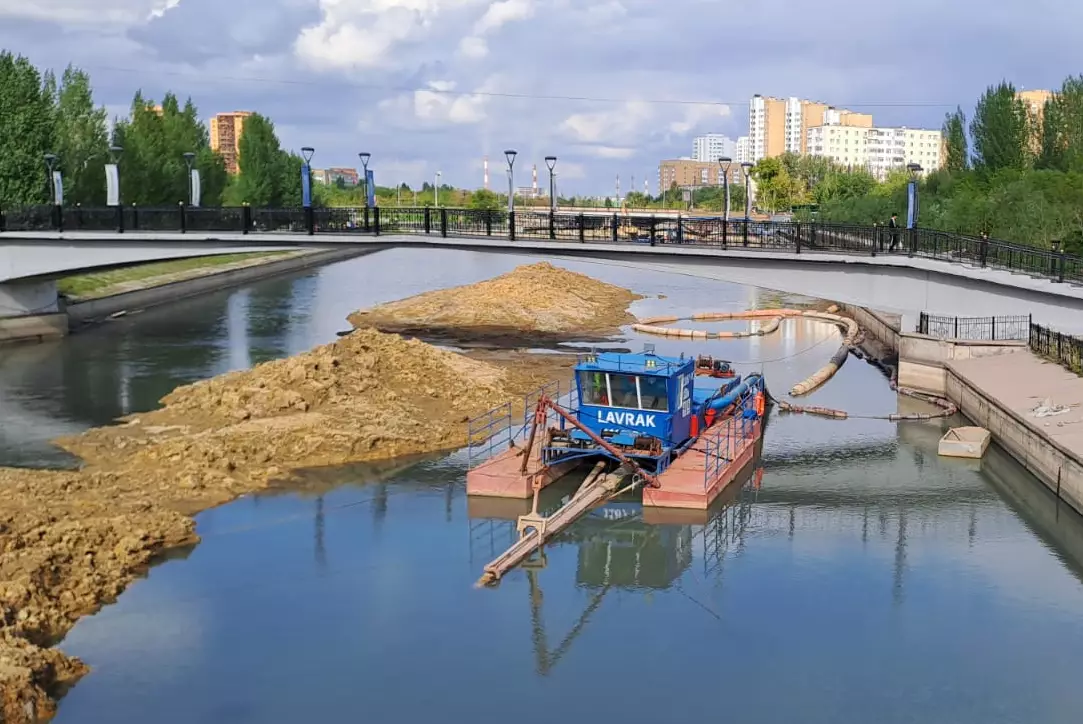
(894, 224)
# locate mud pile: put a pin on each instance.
(368, 396)
(533, 302)
(71, 541)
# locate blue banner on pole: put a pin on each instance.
(370, 188)
(306, 185)
(912, 205)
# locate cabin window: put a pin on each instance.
(653, 393)
(593, 389)
(623, 391)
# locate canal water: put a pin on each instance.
(856, 577)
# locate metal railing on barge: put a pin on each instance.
(563, 226)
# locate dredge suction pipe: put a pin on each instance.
(851, 333)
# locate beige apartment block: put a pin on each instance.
(1034, 101)
(777, 126)
(226, 130)
(686, 173)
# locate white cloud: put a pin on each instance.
(473, 47)
(698, 115)
(621, 124)
(495, 17)
(612, 152)
(122, 13)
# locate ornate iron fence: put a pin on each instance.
(1062, 348)
(1007, 328)
(565, 226)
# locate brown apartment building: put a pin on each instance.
(226, 130)
(1034, 101)
(686, 173)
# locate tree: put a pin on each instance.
(485, 199)
(1000, 130)
(774, 186)
(957, 159)
(26, 116)
(260, 181)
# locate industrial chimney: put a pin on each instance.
(485, 171)
(534, 187)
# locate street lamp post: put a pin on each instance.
(55, 191)
(724, 163)
(551, 162)
(116, 151)
(912, 204)
(746, 167)
(307, 152)
(188, 159)
(364, 156)
(510, 156)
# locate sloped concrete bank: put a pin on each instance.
(95, 310)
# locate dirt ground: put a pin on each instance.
(535, 305)
(71, 541)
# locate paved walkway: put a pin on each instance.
(1021, 381)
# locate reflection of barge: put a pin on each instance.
(634, 416)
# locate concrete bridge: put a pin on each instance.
(839, 264)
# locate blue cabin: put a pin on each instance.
(625, 397)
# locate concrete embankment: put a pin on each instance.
(156, 291)
(998, 385)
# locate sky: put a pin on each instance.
(607, 86)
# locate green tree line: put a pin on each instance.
(1016, 176)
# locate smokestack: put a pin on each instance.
(618, 187)
(485, 172)
(535, 181)
(646, 188)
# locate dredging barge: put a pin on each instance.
(680, 428)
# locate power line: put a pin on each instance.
(492, 94)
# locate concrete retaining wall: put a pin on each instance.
(923, 360)
(884, 327)
(1055, 466)
(93, 310)
(33, 328)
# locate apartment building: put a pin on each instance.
(776, 126)
(349, 176)
(744, 152)
(1034, 101)
(688, 172)
(878, 150)
(226, 130)
(712, 147)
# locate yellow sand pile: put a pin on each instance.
(70, 541)
(533, 298)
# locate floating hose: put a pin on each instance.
(851, 335)
(947, 409)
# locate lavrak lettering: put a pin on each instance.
(630, 419)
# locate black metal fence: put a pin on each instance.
(566, 226)
(1062, 348)
(1017, 328)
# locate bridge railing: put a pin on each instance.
(1064, 349)
(565, 226)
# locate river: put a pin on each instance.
(861, 578)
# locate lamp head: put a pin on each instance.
(189, 157)
(551, 162)
(510, 155)
(307, 152)
(364, 156)
(914, 169)
(116, 150)
(724, 161)
(50, 159)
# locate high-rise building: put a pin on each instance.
(766, 127)
(1034, 101)
(744, 152)
(226, 130)
(776, 126)
(712, 147)
(878, 150)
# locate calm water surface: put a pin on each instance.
(861, 578)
